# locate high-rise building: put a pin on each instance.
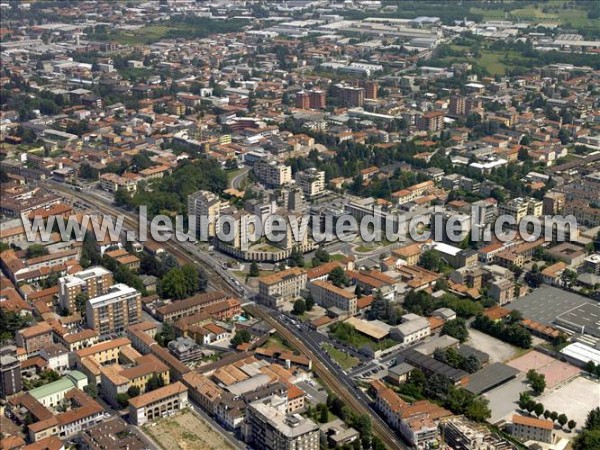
(91, 282)
(473, 105)
(273, 173)
(302, 100)
(272, 428)
(205, 205)
(457, 105)
(114, 311)
(350, 96)
(311, 181)
(554, 202)
(316, 99)
(432, 121)
(10, 372)
(371, 88)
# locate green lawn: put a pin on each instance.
(343, 359)
(337, 257)
(358, 340)
(231, 174)
(554, 13)
(145, 35)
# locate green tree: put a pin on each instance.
(299, 307)
(80, 302)
(539, 409)
(321, 256)
(571, 425)
(91, 390)
(173, 285)
(456, 328)
(240, 337)
(35, 250)
(338, 277)
(431, 260)
(254, 271)
(562, 419)
(166, 334)
(310, 303)
(590, 367)
(155, 382)
(537, 381)
(553, 416)
(123, 400)
(324, 414)
(133, 391)
(296, 258)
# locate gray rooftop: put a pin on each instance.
(490, 377)
(547, 303)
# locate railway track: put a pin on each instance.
(330, 380)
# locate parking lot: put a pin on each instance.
(576, 398)
(315, 394)
(499, 351)
(503, 399)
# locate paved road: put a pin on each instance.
(333, 376)
(238, 180)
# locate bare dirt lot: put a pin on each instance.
(185, 431)
(555, 371)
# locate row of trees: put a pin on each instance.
(592, 368)
(457, 329)
(423, 304)
(360, 422)
(182, 282)
(512, 333)
(440, 389)
(526, 403)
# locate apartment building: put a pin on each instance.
(457, 105)
(520, 207)
(328, 295)
(208, 205)
(412, 329)
(34, 338)
(554, 202)
(115, 310)
(531, 429)
(11, 381)
(273, 173)
(350, 96)
(317, 99)
(280, 287)
(302, 100)
(116, 379)
(432, 121)
(311, 181)
(371, 89)
(112, 182)
(91, 282)
(189, 306)
(271, 428)
(83, 412)
(159, 403)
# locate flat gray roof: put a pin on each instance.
(490, 377)
(547, 303)
(584, 319)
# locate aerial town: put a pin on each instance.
(462, 137)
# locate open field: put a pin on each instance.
(555, 371)
(186, 431)
(549, 12)
(345, 360)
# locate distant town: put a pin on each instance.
(400, 225)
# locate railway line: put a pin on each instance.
(330, 380)
(130, 222)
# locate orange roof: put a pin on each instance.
(533, 422)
